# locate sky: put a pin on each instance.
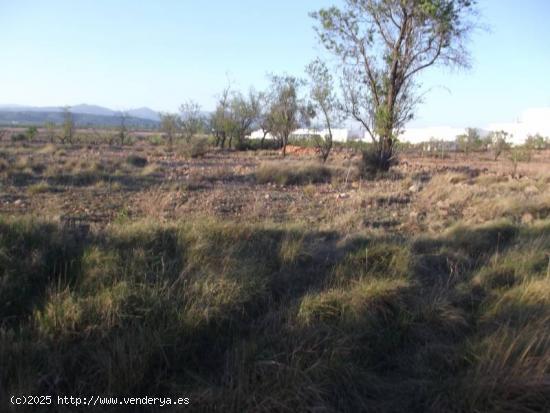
(125, 54)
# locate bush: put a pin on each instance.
(136, 160)
(196, 148)
(293, 173)
(18, 137)
(256, 144)
(373, 162)
(39, 188)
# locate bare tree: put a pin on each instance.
(265, 117)
(383, 45)
(169, 124)
(244, 113)
(499, 142)
(470, 141)
(220, 120)
(325, 103)
(122, 132)
(288, 111)
(51, 131)
(191, 120)
(68, 126)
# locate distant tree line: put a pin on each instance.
(380, 48)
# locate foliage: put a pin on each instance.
(325, 103)
(498, 142)
(285, 173)
(383, 45)
(31, 132)
(197, 147)
(288, 109)
(19, 137)
(255, 318)
(191, 120)
(470, 141)
(235, 117)
(68, 127)
(122, 132)
(169, 124)
(51, 131)
(537, 142)
(136, 160)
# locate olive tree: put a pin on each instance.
(122, 132)
(470, 141)
(31, 132)
(499, 142)
(220, 120)
(288, 110)
(51, 131)
(265, 117)
(169, 124)
(191, 120)
(68, 127)
(325, 103)
(383, 45)
(244, 113)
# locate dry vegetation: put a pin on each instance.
(251, 284)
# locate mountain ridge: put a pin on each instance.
(87, 109)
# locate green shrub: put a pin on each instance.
(136, 160)
(292, 173)
(19, 137)
(197, 147)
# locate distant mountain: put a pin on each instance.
(144, 113)
(93, 110)
(85, 115)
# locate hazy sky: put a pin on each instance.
(158, 53)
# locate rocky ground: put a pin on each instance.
(101, 184)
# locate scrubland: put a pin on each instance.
(249, 283)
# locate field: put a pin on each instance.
(251, 283)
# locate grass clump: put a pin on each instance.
(39, 188)
(243, 317)
(197, 147)
(291, 173)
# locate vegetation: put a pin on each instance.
(288, 110)
(456, 322)
(68, 126)
(292, 173)
(470, 141)
(383, 45)
(191, 121)
(136, 160)
(175, 262)
(325, 103)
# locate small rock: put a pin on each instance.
(342, 196)
(527, 218)
(414, 188)
(18, 202)
(267, 196)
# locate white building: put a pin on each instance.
(338, 135)
(531, 122)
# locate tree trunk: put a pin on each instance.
(263, 139)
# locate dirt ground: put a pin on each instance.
(99, 184)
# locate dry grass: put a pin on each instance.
(249, 283)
